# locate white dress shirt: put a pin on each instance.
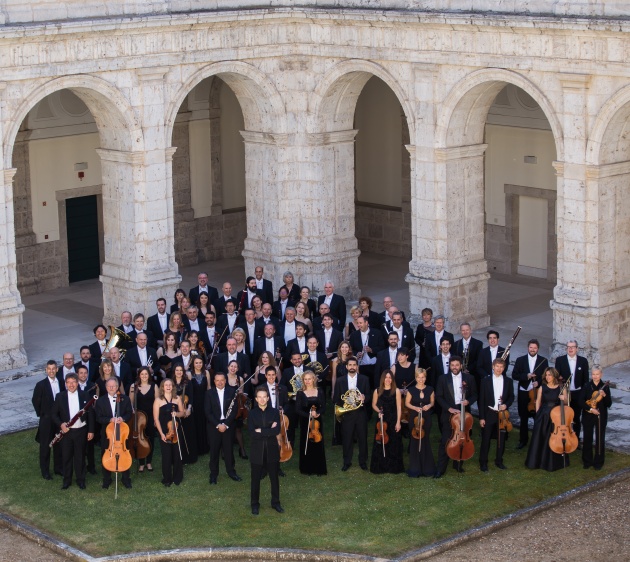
(438, 336)
(54, 385)
(231, 318)
(352, 382)
(289, 331)
(221, 393)
(163, 320)
(142, 354)
(73, 406)
(497, 385)
(457, 388)
(194, 324)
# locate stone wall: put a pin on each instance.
(383, 230)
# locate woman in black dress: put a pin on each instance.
(292, 288)
(311, 400)
(179, 295)
(235, 380)
(386, 399)
(200, 383)
(338, 370)
(539, 454)
(188, 435)
(143, 393)
(106, 370)
(420, 398)
(165, 403)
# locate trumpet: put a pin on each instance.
(351, 401)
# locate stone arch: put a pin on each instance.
(262, 106)
(118, 126)
(609, 139)
(464, 111)
(337, 93)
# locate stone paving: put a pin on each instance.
(63, 319)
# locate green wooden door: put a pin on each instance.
(82, 226)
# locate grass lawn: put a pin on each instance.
(339, 512)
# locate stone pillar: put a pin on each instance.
(12, 354)
(300, 208)
(448, 271)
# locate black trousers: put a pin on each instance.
(524, 414)
(73, 447)
(577, 409)
(290, 411)
(45, 434)
(172, 467)
(258, 470)
(491, 427)
(354, 423)
(590, 426)
(221, 441)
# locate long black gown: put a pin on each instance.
(172, 471)
(199, 388)
(144, 403)
(421, 463)
(314, 460)
(187, 433)
(539, 454)
(405, 376)
(392, 462)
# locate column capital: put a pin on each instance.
(153, 73)
(559, 167)
(9, 174)
(607, 170)
(170, 152)
(575, 82)
(134, 158)
(460, 152)
(332, 137)
(257, 137)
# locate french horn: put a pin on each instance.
(351, 401)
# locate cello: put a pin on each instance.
(117, 457)
(563, 439)
(460, 446)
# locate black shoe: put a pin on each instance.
(597, 467)
(278, 508)
(586, 466)
(127, 485)
(484, 468)
(58, 472)
(235, 477)
(345, 467)
(500, 465)
(521, 446)
(437, 475)
(106, 485)
(65, 486)
(91, 471)
(363, 466)
(242, 454)
(460, 469)
(255, 510)
(167, 484)
(47, 476)
(213, 481)
(82, 486)
(281, 473)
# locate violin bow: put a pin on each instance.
(175, 426)
(380, 415)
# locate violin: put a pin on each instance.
(313, 428)
(241, 403)
(285, 445)
(531, 405)
(597, 396)
(563, 439)
(460, 446)
(504, 420)
(117, 457)
(404, 411)
(138, 444)
(171, 431)
(418, 427)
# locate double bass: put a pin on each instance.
(460, 446)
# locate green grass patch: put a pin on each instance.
(355, 511)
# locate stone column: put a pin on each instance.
(300, 208)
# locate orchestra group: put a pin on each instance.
(195, 374)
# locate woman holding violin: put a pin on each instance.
(420, 399)
(539, 455)
(183, 388)
(235, 381)
(387, 452)
(310, 406)
(142, 395)
(167, 412)
(596, 400)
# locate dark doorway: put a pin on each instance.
(82, 226)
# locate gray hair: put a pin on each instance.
(573, 341)
(439, 317)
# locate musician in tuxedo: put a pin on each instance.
(264, 426)
(203, 287)
(98, 347)
(86, 361)
(245, 302)
(209, 333)
(386, 358)
(185, 358)
(287, 327)
(279, 307)
(528, 372)
(298, 343)
(423, 333)
(595, 419)
(432, 340)
(229, 319)
(449, 393)
(220, 304)
(126, 327)
(222, 360)
(404, 332)
(90, 388)
(496, 395)
(278, 393)
(336, 303)
(220, 408)
(366, 342)
(252, 330)
(316, 356)
(158, 323)
(386, 315)
(574, 366)
(354, 422)
(269, 342)
(191, 320)
(264, 286)
(108, 411)
(139, 328)
(489, 354)
(297, 368)
(318, 320)
(67, 365)
(468, 348)
(68, 403)
(43, 400)
(328, 339)
(267, 317)
(122, 369)
(440, 366)
(141, 355)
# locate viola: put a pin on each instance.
(531, 405)
(418, 427)
(117, 457)
(504, 420)
(563, 439)
(460, 446)
(381, 431)
(313, 428)
(597, 396)
(138, 444)
(285, 445)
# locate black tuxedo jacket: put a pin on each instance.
(337, 307)
(212, 406)
(95, 351)
(266, 293)
(61, 409)
(193, 295)
(407, 339)
(335, 341)
(445, 394)
(486, 396)
(474, 349)
(437, 370)
(484, 361)
(317, 324)
(127, 378)
(239, 296)
(521, 370)
(383, 362)
(264, 445)
(220, 363)
(222, 323)
(220, 302)
(261, 345)
(93, 373)
(276, 309)
(151, 339)
(375, 341)
(363, 386)
(294, 347)
(286, 377)
(133, 359)
(323, 361)
(431, 348)
(153, 326)
(42, 399)
(272, 320)
(258, 333)
(581, 376)
(384, 318)
(103, 413)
